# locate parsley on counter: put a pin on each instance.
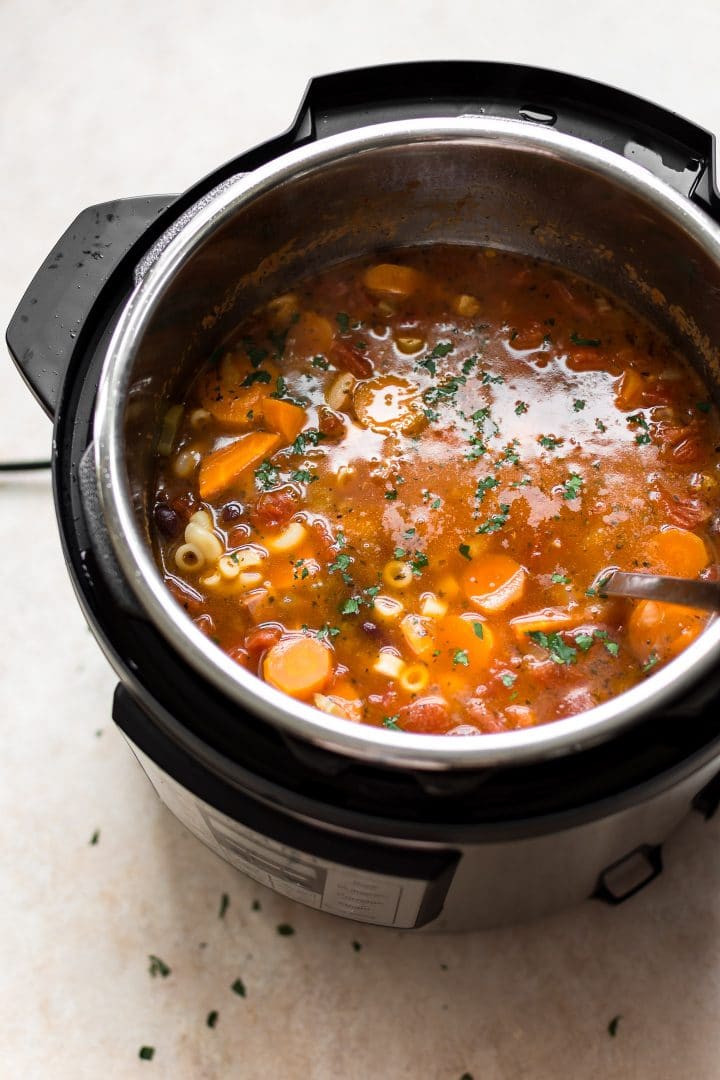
(212, 1018)
(95, 837)
(158, 967)
(238, 987)
(285, 929)
(147, 1053)
(224, 905)
(613, 1026)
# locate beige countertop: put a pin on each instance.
(99, 101)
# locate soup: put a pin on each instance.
(393, 490)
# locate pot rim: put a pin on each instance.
(377, 745)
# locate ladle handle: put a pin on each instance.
(704, 595)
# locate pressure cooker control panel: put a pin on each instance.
(356, 894)
(348, 874)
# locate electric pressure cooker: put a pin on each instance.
(374, 825)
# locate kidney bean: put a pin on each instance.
(261, 638)
(167, 520)
(231, 512)
(348, 358)
(330, 423)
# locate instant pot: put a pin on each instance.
(374, 825)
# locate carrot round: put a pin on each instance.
(299, 666)
(390, 279)
(494, 582)
(678, 552)
(223, 467)
(661, 631)
(235, 392)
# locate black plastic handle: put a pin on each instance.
(673, 148)
(52, 316)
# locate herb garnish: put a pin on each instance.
(320, 362)
(652, 660)
(579, 404)
(520, 408)
(95, 837)
(238, 987)
(496, 521)
(588, 342)
(158, 967)
(508, 679)
(391, 495)
(478, 630)
(391, 722)
(484, 485)
(267, 475)
(147, 1053)
(224, 905)
(560, 652)
(260, 376)
(309, 437)
(212, 1018)
(572, 487)
(549, 442)
(560, 579)
(285, 929)
(464, 550)
(461, 657)
(304, 476)
(613, 1026)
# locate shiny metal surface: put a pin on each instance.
(670, 590)
(469, 180)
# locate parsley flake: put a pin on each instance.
(391, 722)
(212, 1018)
(579, 404)
(158, 967)
(572, 487)
(560, 579)
(588, 342)
(147, 1053)
(464, 550)
(285, 929)
(520, 408)
(478, 630)
(461, 657)
(560, 652)
(238, 987)
(508, 679)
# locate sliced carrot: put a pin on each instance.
(310, 336)
(494, 582)
(223, 393)
(221, 468)
(547, 621)
(465, 634)
(299, 666)
(284, 417)
(630, 390)
(389, 279)
(678, 552)
(661, 631)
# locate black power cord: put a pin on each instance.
(24, 466)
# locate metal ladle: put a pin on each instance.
(668, 590)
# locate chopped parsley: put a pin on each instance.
(260, 376)
(478, 448)
(572, 487)
(583, 641)
(303, 476)
(280, 391)
(520, 408)
(461, 657)
(485, 485)
(391, 495)
(588, 342)
(267, 475)
(285, 929)
(496, 521)
(255, 355)
(320, 362)
(441, 349)
(429, 364)
(560, 579)
(508, 679)
(326, 631)
(652, 660)
(238, 987)
(436, 395)
(464, 550)
(600, 426)
(147, 1053)
(469, 364)
(310, 437)
(350, 606)
(224, 905)
(158, 967)
(487, 378)
(341, 564)
(613, 1026)
(418, 563)
(549, 442)
(212, 1018)
(579, 404)
(391, 722)
(356, 946)
(478, 630)
(560, 652)
(436, 504)
(95, 837)
(343, 321)
(703, 406)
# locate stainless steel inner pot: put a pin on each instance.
(472, 180)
